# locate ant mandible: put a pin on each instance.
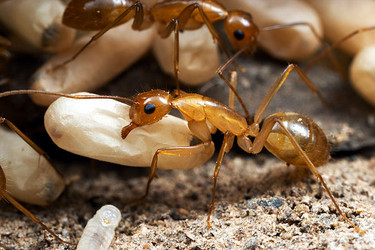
(175, 16)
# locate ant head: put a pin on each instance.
(148, 108)
(241, 30)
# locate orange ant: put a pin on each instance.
(175, 16)
(290, 136)
(39, 200)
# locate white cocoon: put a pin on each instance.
(362, 73)
(38, 22)
(342, 17)
(92, 128)
(100, 229)
(104, 59)
(199, 56)
(29, 176)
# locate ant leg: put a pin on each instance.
(230, 84)
(203, 147)
(6, 196)
(179, 24)
(336, 44)
(183, 18)
(174, 26)
(313, 169)
(9, 198)
(225, 147)
(324, 45)
(24, 137)
(259, 144)
(276, 86)
(137, 8)
(232, 91)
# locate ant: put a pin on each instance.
(290, 136)
(174, 16)
(51, 192)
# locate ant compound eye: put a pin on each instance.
(149, 108)
(239, 34)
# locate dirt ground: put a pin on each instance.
(261, 203)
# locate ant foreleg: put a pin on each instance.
(191, 151)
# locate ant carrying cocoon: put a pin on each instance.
(105, 118)
(290, 136)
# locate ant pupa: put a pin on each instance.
(174, 16)
(38, 26)
(26, 174)
(100, 229)
(290, 136)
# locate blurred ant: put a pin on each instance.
(290, 136)
(175, 16)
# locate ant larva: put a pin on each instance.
(174, 16)
(290, 136)
(28, 175)
(100, 229)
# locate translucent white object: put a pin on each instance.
(100, 229)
